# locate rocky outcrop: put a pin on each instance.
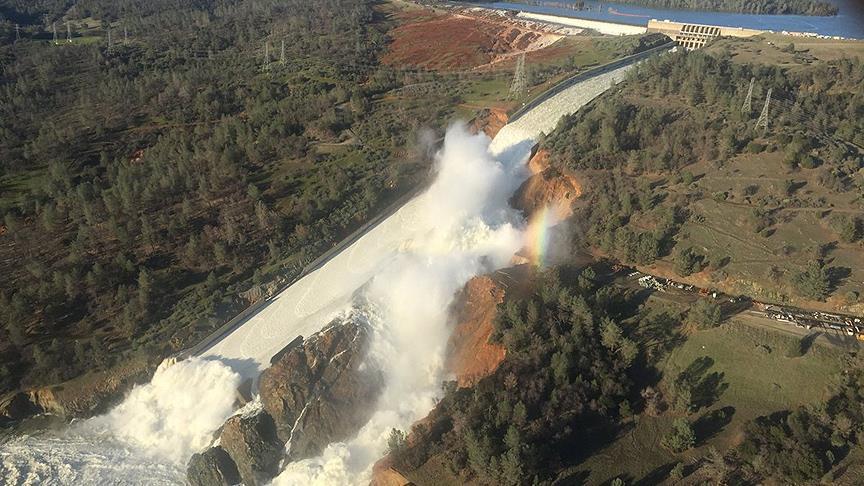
(80, 397)
(17, 406)
(213, 467)
(318, 392)
(252, 443)
(470, 355)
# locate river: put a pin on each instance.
(848, 23)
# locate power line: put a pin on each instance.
(747, 108)
(763, 118)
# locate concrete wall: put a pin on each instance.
(693, 36)
(608, 28)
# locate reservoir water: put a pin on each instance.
(849, 22)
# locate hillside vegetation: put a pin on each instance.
(144, 184)
(599, 386)
(787, 7)
(683, 181)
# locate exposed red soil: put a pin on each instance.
(548, 187)
(489, 121)
(470, 354)
(449, 42)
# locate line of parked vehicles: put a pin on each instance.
(841, 323)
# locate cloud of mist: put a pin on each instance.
(464, 227)
(175, 414)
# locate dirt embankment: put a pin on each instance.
(383, 474)
(462, 39)
(547, 187)
(489, 121)
(470, 355)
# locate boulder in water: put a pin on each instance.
(318, 392)
(211, 468)
(252, 443)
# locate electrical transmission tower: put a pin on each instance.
(125, 35)
(266, 55)
(520, 81)
(747, 108)
(54, 31)
(109, 38)
(17, 33)
(763, 118)
(282, 53)
(68, 32)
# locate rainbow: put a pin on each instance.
(537, 235)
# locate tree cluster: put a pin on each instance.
(146, 185)
(558, 392)
(778, 7)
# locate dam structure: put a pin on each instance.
(694, 36)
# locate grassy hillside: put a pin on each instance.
(680, 179)
(604, 385)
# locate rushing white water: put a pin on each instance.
(463, 227)
(146, 439)
(403, 274)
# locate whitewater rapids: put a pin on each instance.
(403, 274)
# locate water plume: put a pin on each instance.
(464, 227)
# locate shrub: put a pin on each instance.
(688, 262)
(705, 314)
(680, 438)
(814, 282)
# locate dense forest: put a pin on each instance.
(582, 366)
(175, 155)
(781, 7)
(638, 154)
(559, 393)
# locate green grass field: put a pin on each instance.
(756, 378)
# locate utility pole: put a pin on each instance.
(125, 35)
(68, 32)
(282, 54)
(520, 82)
(266, 55)
(54, 31)
(747, 108)
(109, 37)
(763, 118)
(17, 33)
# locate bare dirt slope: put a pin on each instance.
(462, 40)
